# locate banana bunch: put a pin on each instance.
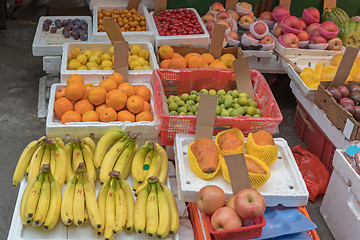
(150, 160)
(120, 155)
(80, 151)
(116, 204)
(41, 200)
(40, 152)
(79, 201)
(155, 210)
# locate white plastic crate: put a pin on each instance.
(141, 36)
(285, 185)
(51, 44)
(60, 232)
(196, 40)
(95, 76)
(340, 207)
(54, 127)
(266, 64)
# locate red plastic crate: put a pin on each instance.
(176, 82)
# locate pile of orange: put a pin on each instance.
(112, 100)
(172, 60)
(128, 20)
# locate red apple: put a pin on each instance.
(303, 36)
(289, 40)
(250, 35)
(210, 25)
(217, 7)
(303, 24)
(277, 31)
(230, 202)
(207, 18)
(279, 13)
(210, 198)
(266, 40)
(222, 15)
(245, 5)
(280, 9)
(235, 15)
(249, 204)
(328, 29)
(246, 20)
(266, 16)
(335, 44)
(314, 12)
(317, 39)
(291, 24)
(225, 218)
(233, 35)
(259, 29)
(314, 32)
(311, 27)
(222, 21)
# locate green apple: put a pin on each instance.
(228, 103)
(235, 94)
(221, 92)
(218, 110)
(193, 108)
(212, 92)
(184, 97)
(181, 110)
(234, 113)
(225, 113)
(180, 103)
(173, 113)
(242, 101)
(251, 111)
(192, 97)
(204, 91)
(243, 95)
(173, 106)
(193, 92)
(190, 102)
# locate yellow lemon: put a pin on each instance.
(75, 52)
(88, 53)
(135, 49)
(144, 53)
(74, 64)
(138, 68)
(106, 63)
(134, 57)
(107, 68)
(98, 53)
(82, 58)
(142, 61)
(147, 68)
(105, 56)
(94, 58)
(228, 60)
(94, 68)
(147, 62)
(83, 67)
(133, 64)
(90, 65)
(111, 51)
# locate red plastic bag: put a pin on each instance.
(313, 171)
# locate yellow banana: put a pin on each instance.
(137, 170)
(67, 215)
(107, 164)
(68, 149)
(52, 160)
(104, 142)
(140, 210)
(163, 175)
(23, 200)
(88, 159)
(120, 208)
(152, 212)
(79, 201)
(53, 213)
(101, 201)
(174, 227)
(33, 198)
(128, 167)
(59, 142)
(24, 160)
(90, 143)
(77, 157)
(136, 184)
(124, 159)
(35, 161)
(43, 203)
(129, 198)
(164, 213)
(47, 154)
(61, 165)
(86, 215)
(153, 170)
(91, 203)
(110, 212)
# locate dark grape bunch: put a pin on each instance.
(74, 28)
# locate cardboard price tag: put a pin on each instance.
(160, 5)
(133, 4)
(242, 76)
(217, 40)
(239, 175)
(285, 3)
(231, 4)
(206, 117)
(329, 4)
(112, 30)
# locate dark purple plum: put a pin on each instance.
(46, 27)
(354, 88)
(67, 34)
(84, 37)
(355, 96)
(346, 100)
(77, 20)
(71, 22)
(75, 27)
(335, 93)
(65, 23)
(357, 113)
(344, 91)
(84, 26)
(53, 29)
(349, 107)
(57, 23)
(48, 21)
(75, 35)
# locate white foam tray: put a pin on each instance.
(285, 185)
(95, 76)
(19, 232)
(110, 3)
(196, 40)
(51, 44)
(141, 36)
(54, 127)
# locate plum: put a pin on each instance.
(349, 107)
(48, 21)
(53, 29)
(84, 37)
(84, 26)
(355, 96)
(357, 113)
(354, 88)
(67, 34)
(346, 100)
(65, 23)
(46, 27)
(344, 91)
(58, 23)
(75, 35)
(335, 93)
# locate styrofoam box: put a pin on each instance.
(270, 64)
(285, 185)
(51, 44)
(196, 40)
(340, 206)
(135, 36)
(18, 231)
(110, 3)
(52, 64)
(95, 76)
(54, 127)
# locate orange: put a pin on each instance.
(205, 65)
(70, 116)
(125, 115)
(178, 62)
(190, 55)
(82, 106)
(100, 107)
(147, 106)
(143, 91)
(135, 104)
(165, 63)
(117, 77)
(90, 116)
(195, 61)
(208, 58)
(144, 116)
(166, 52)
(88, 87)
(109, 84)
(127, 88)
(218, 65)
(61, 106)
(108, 115)
(75, 91)
(116, 99)
(97, 95)
(75, 78)
(177, 55)
(60, 93)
